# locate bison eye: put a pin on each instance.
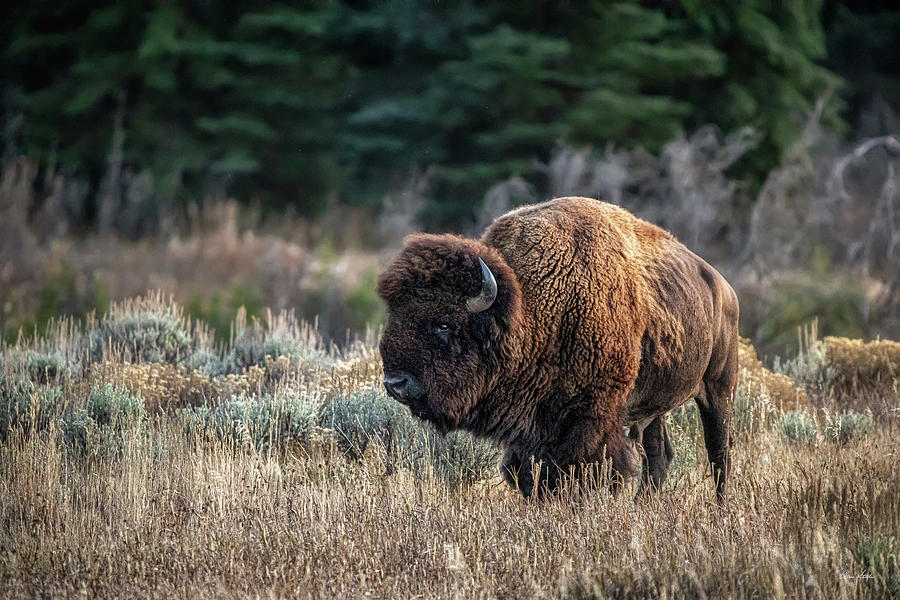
(442, 330)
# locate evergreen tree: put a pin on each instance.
(773, 78)
(299, 103)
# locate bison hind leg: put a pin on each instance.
(715, 404)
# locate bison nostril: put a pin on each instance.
(396, 385)
(403, 386)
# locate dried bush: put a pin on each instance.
(863, 367)
(780, 391)
(163, 386)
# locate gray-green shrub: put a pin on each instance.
(358, 419)
(684, 448)
(253, 345)
(258, 421)
(879, 556)
(45, 366)
(685, 418)
(148, 336)
(808, 368)
(208, 361)
(27, 405)
(797, 427)
(460, 458)
(752, 408)
(101, 425)
(849, 426)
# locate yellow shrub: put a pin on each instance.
(780, 389)
(164, 386)
(863, 366)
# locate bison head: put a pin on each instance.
(452, 307)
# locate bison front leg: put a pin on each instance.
(579, 450)
(516, 474)
(590, 443)
(532, 475)
(657, 456)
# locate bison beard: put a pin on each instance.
(566, 325)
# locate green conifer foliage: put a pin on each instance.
(298, 104)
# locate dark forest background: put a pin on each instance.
(326, 130)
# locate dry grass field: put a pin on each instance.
(139, 458)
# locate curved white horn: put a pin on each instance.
(485, 299)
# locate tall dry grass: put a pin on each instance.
(187, 516)
(295, 477)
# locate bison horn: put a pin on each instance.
(485, 299)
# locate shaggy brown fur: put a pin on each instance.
(602, 321)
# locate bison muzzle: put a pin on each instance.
(565, 334)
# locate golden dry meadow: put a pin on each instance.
(139, 457)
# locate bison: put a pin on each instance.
(565, 334)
